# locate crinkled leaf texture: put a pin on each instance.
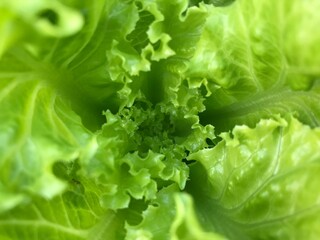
(254, 57)
(109, 108)
(60, 177)
(262, 182)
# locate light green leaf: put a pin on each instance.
(37, 128)
(262, 181)
(170, 216)
(50, 18)
(106, 105)
(74, 215)
(136, 156)
(302, 104)
(259, 57)
(142, 149)
(76, 62)
(151, 58)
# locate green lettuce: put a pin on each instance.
(282, 201)
(158, 119)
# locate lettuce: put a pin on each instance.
(158, 119)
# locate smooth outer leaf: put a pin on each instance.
(262, 182)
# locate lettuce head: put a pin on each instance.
(159, 119)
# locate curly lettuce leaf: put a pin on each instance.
(101, 106)
(79, 61)
(261, 182)
(142, 149)
(47, 76)
(152, 56)
(259, 58)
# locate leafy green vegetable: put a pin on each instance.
(158, 119)
(279, 160)
(256, 62)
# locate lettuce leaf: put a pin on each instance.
(49, 18)
(172, 213)
(262, 181)
(255, 60)
(37, 128)
(75, 214)
(158, 119)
